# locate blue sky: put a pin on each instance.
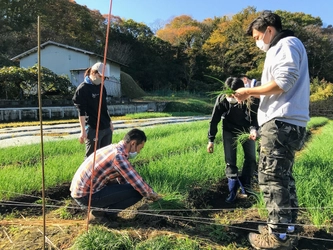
(158, 12)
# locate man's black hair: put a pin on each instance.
(243, 75)
(135, 134)
(234, 83)
(266, 18)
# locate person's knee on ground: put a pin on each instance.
(112, 215)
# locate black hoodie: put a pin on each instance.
(236, 118)
(86, 100)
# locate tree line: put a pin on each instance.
(178, 56)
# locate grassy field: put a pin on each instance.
(175, 163)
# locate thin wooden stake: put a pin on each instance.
(41, 133)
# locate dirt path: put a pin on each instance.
(31, 134)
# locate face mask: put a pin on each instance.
(231, 100)
(95, 79)
(261, 44)
(132, 155)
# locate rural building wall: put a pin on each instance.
(72, 62)
(57, 59)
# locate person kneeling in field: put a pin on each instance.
(116, 185)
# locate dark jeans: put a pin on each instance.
(279, 141)
(230, 155)
(104, 139)
(113, 196)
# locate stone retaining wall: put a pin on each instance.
(67, 112)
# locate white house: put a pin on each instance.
(71, 61)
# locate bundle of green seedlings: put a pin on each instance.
(243, 136)
(227, 91)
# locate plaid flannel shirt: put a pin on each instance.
(111, 165)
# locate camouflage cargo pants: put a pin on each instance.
(279, 141)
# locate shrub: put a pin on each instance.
(320, 90)
(17, 83)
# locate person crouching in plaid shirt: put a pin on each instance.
(116, 185)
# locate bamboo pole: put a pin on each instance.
(99, 111)
(41, 133)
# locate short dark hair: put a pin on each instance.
(234, 83)
(266, 18)
(243, 75)
(135, 134)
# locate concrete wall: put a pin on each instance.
(67, 112)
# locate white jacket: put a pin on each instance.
(287, 64)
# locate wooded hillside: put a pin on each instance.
(178, 57)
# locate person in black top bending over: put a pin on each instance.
(236, 118)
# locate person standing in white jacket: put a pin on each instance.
(282, 116)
